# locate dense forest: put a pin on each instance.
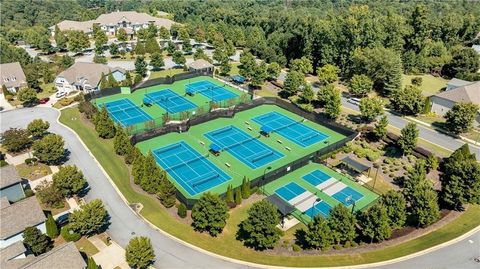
(413, 36)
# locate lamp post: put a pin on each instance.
(263, 178)
(318, 200)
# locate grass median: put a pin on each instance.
(226, 244)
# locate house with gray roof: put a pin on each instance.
(201, 65)
(86, 77)
(10, 184)
(110, 23)
(467, 93)
(13, 77)
(14, 218)
(65, 256)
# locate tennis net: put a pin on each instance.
(287, 125)
(222, 131)
(167, 148)
(239, 143)
(211, 177)
(183, 163)
(261, 155)
(304, 199)
(114, 111)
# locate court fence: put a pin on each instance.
(273, 174)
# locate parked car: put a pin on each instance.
(354, 101)
(44, 100)
(60, 94)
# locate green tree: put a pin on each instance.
(245, 188)
(114, 49)
(151, 46)
(77, 41)
(420, 28)
(209, 214)
(66, 61)
(225, 67)
(238, 196)
(138, 168)
(327, 74)
(273, 70)
(460, 118)
(318, 234)
(60, 39)
(35, 241)
(121, 142)
(163, 33)
(49, 195)
(51, 226)
(413, 178)
(424, 204)
(166, 192)
(259, 74)
(38, 128)
(293, 81)
(229, 195)
(44, 45)
(157, 61)
(371, 108)
(187, 47)
(121, 35)
(464, 61)
(409, 101)
(182, 210)
(383, 66)
(90, 218)
(140, 48)
(408, 138)
(141, 66)
(139, 252)
(15, 140)
(307, 94)
(152, 176)
(178, 58)
(342, 224)
(396, 207)
(104, 124)
(375, 223)
(360, 85)
(247, 64)
(332, 102)
(69, 180)
(302, 65)
(380, 129)
(91, 264)
(50, 149)
(112, 81)
(259, 230)
(200, 54)
(104, 84)
(27, 96)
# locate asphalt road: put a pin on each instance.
(170, 253)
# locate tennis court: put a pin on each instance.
(244, 147)
(170, 101)
(210, 90)
(295, 131)
(303, 200)
(347, 196)
(125, 112)
(191, 170)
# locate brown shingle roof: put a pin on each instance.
(133, 17)
(67, 25)
(20, 215)
(200, 64)
(8, 176)
(89, 72)
(466, 94)
(12, 75)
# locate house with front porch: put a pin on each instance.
(12, 77)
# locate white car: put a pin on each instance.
(60, 94)
(354, 101)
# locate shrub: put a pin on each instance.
(337, 247)
(182, 210)
(3, 163)
(79, 98)
(29, 193)
(68, 234)
(296, 248)
(65, 101)
(31, 161)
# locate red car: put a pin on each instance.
(44, 100)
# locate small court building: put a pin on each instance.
(201, 66)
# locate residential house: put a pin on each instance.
(455, 83)
(201, 66)
(65, 256)
(131, 21)
(444, 101)
(85, 77)
(14, 218)
(10, 184)
(12, 77)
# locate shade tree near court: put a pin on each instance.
(375, 223)
(371, 108)
(139, 252)
(209, 214)
(104, 125)
(318, 234)
(396, 206)
(360, 85)
(342, 224)
(328, 74)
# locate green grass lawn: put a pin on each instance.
(166, 72)
(195, 137)
(85, 246)
(430, 85)
(226, 244)
(234, 70)
(32, 172)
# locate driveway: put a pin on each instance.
(169, 253)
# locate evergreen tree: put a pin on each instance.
(104, 124)
(333, 103)
(375, 223)
(245, 188)
(178, 58)
(460, 118)
(151, 46)
(104, 84)
(396, 207)
(342, 224)
(141, 66)
(90, 218)
(157, 61)
(153, 176)
(112, 81)
(91, 264)
(51, 226)
(424, 204)
(35, 241)
(138, 168)
(182, 210)
(166, 193)
(380, 130)
(238, 196)
(209, 214)
(50, 149)
(229, 195)
(69, 180)
(121, 142)
(318, 234)
(408, 138)
(293, 81)
(139, 252)
(121, 35)
(273, 70)
(307, 94)
(60, 39)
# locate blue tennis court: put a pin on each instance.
(293, 130)
(210, 90)
(244, 147)
(125, 112)
(170, 101)
(193, 171)
(319, 208)
(290, 191)
(347, 195)
(316, 177)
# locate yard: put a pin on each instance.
(166, 72)
(226, 244)
(33, 172)
(430, 85)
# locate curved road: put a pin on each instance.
(170, 253)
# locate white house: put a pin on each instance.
(131, 21)
(85, 77)
(12, 77)
(14, 218)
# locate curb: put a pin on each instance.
(256, 265)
